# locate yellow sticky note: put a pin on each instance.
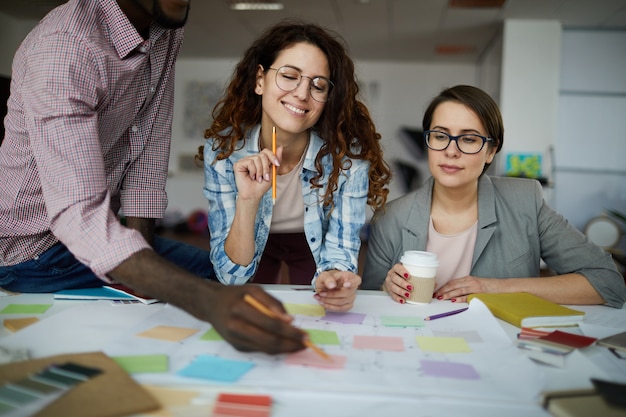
(170, 333)
(313, 310)
(443, 344)
(18, 324)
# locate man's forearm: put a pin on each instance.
(144, 226)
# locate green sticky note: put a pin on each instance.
(323, 337)
(211, 335)
(137, 364)
(313, 310)
(25, 308)
(443, 344)
(400, 321)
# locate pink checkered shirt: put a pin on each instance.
(87, 133)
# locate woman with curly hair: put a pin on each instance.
(297, 79)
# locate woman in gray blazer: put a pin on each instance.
(483, 227)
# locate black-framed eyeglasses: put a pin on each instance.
(289, 78)
(469, 143)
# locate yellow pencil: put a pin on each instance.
(274, 166)
(260, 307)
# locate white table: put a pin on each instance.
(79, 336)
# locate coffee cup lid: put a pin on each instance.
(418, 257)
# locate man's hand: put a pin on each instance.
(239, 323)
(247, 329)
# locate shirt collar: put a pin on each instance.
(124, 36)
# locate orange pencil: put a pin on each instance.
(260, 307)
(274, 166)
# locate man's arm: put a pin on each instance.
(222, 306)
(144, 226)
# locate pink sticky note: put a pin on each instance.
(388, 343)
(309, 358)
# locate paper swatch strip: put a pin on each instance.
(29, 395)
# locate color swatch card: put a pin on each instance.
(242, 405)
(27, 396)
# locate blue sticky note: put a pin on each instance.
(216, 369)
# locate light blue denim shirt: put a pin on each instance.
(334, 240)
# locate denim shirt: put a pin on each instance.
(334, 240)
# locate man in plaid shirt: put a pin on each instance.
(88, 135)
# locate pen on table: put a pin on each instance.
(260, 307)
(274, 166)
(446, 314)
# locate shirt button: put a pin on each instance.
(312, 239)
(134, 129)
(143, 49)
(306, 209)
(152, 89)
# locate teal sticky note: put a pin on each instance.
(25, 308)
(216, 369)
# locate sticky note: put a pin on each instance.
(385, 343)
(137, 364)
(18, 324)
(308, 357)
(448, 370)
(402, 321)
(323, 337)
(171, 397)
(470, 336)
(443, 344)
(347, 318)
(211, 335)
(25, 308)
(169, 333)
(216, 369)
(313, 310)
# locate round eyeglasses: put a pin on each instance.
(288, 79)
(469, 143)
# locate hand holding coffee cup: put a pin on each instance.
(422, 269)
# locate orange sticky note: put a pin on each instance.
(18, 324)
(170, 333)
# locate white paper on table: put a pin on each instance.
(86, 327)
(399, 374)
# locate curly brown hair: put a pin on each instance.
(345, 124)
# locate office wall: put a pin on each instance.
(590, 148)
(12, 32)
(396, 94)
(529, 89)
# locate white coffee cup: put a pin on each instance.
(422, 268)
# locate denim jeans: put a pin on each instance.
(57, 269)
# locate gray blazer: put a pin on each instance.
(516, 229)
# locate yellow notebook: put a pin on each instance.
(522, 309)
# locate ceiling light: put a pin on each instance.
(256, 5)
(470, 4)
